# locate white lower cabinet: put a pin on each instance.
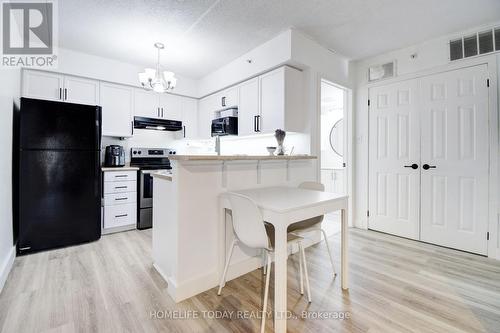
(120, 215)
(119, 200)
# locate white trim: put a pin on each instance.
(348, 109)
(208, 281)
(491, 62)
(7, 266)
(493, 250)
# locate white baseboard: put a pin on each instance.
(6, 266)
(189, 288)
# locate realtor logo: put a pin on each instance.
(28, 33)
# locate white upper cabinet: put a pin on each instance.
(249, 107)
(43, 85)
(80, 90)
(146, 104)
(281, 101)
(117, 103)
(228, 98)
(154, 105)
(58, 87)
(206, 112)
(189, 118)
(171, 106)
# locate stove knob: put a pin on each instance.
(174, 152)
(139, 152)
(135, 152)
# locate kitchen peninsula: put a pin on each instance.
(190, 233)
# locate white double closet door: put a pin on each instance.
(429, 159)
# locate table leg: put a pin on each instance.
(280, 278)
(344, 237)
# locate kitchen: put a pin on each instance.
(128, 161)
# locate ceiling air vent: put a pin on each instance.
(486, 42)
(483, 42)
(381, 72)
(497, 39)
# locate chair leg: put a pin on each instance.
(301, 274)
(223, 278)
(266, 294)
(264, 259)
(303, 254)
(329, 252)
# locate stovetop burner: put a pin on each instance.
(151, 158)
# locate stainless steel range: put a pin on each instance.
(148, 160)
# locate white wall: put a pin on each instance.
(272, 53)
(429, 55)
(10, 89)
(86, 65)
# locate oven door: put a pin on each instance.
(146, 189)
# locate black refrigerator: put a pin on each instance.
(58, 175)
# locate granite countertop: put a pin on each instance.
(124, 168)
(239, 157)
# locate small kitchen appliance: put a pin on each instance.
(114, 156)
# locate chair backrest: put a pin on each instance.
(248, 223)
(312, 186)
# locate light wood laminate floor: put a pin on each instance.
(396, 285)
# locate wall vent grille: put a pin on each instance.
(380, 72)
(482, 42)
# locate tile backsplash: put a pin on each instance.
(251, 145)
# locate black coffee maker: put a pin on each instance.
(115, 156)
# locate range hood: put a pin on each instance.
(157, 124)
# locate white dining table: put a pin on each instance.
(282, 206)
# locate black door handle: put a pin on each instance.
(427, 167)
(414, 166)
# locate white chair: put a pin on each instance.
(249, 229)
(312, 224)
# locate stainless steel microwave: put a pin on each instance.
(225, 126)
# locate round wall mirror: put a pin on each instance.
(337, 137)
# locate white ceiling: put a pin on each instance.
(203, 35)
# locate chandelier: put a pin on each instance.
(154, 79)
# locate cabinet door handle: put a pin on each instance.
(224, 101)
(118, 199)
(118, 187)
(162, 114)
(427, 167)
(255, 123)
(184, 129)
(132, 127)
(60, 93)
(414, 166)
(121, 176)
(65, 94)
(122, 215)
(258, 123)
